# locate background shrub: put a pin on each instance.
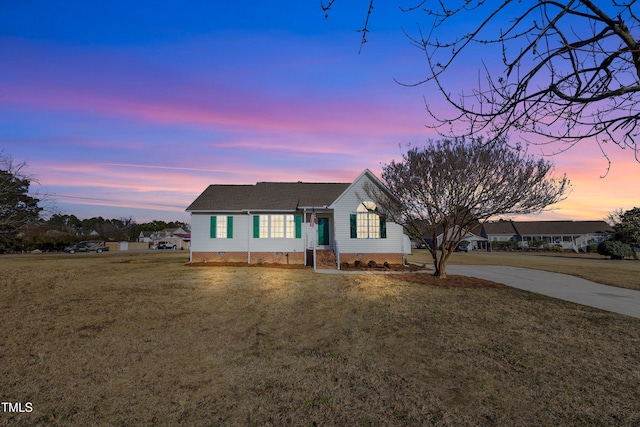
(616, 249)
(505, 246)
(536, 244)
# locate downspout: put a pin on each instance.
(314, 235)
(306, 234)
(249, 228)
(190, 249)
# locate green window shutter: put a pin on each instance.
(229, 227)
(212, 231)
(383, 227)
(353, 221)
(256, 226)
(298, 220)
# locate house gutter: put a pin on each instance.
(211, 210)
(268, 210)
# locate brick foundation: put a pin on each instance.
(294, 257)
(219, 257)
(277, 257)
(393, 259)
(256, 257)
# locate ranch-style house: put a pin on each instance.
(573, 235)
(323, 224)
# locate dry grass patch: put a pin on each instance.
(144, 340)
(624, 274)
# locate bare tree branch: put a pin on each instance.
(571, 70)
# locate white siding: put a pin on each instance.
(242, 241)
(277, 245)
(347, 205)
(339, 226)
(202, 242)
(499, 237)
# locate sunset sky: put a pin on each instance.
(132, 108)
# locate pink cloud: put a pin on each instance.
(263, 131)
(113, 88)
(282, 115)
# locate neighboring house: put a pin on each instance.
(184, 240)
(177, 236)
(475, 242)
(576, 235)
(145, 236)
(85, 232)
(294, 222)
(169, 233)
(499, 231)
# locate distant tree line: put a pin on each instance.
(62, 230)
(24, 227)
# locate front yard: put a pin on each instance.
(143, 339)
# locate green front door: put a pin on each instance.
(323, 231)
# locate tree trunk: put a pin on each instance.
(434, 255)
(440, 265)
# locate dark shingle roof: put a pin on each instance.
(561, 227)
(499, 227)
(285, 196)
(529, 228)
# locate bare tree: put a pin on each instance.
(570, 68)
(18, 208)
(450, 185)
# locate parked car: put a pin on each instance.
(96, 246)
(166, 245)
(418, 245)
(464, 246)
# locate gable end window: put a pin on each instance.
(367, 223)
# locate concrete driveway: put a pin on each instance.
(561, 286)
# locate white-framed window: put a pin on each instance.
(264, 226)
(221, 227)
(368, 221)
(277, 226)
(290, 226)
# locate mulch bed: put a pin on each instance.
(391, 267)
(450, 281)
(399, 268)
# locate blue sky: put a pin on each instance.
(132, 108)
